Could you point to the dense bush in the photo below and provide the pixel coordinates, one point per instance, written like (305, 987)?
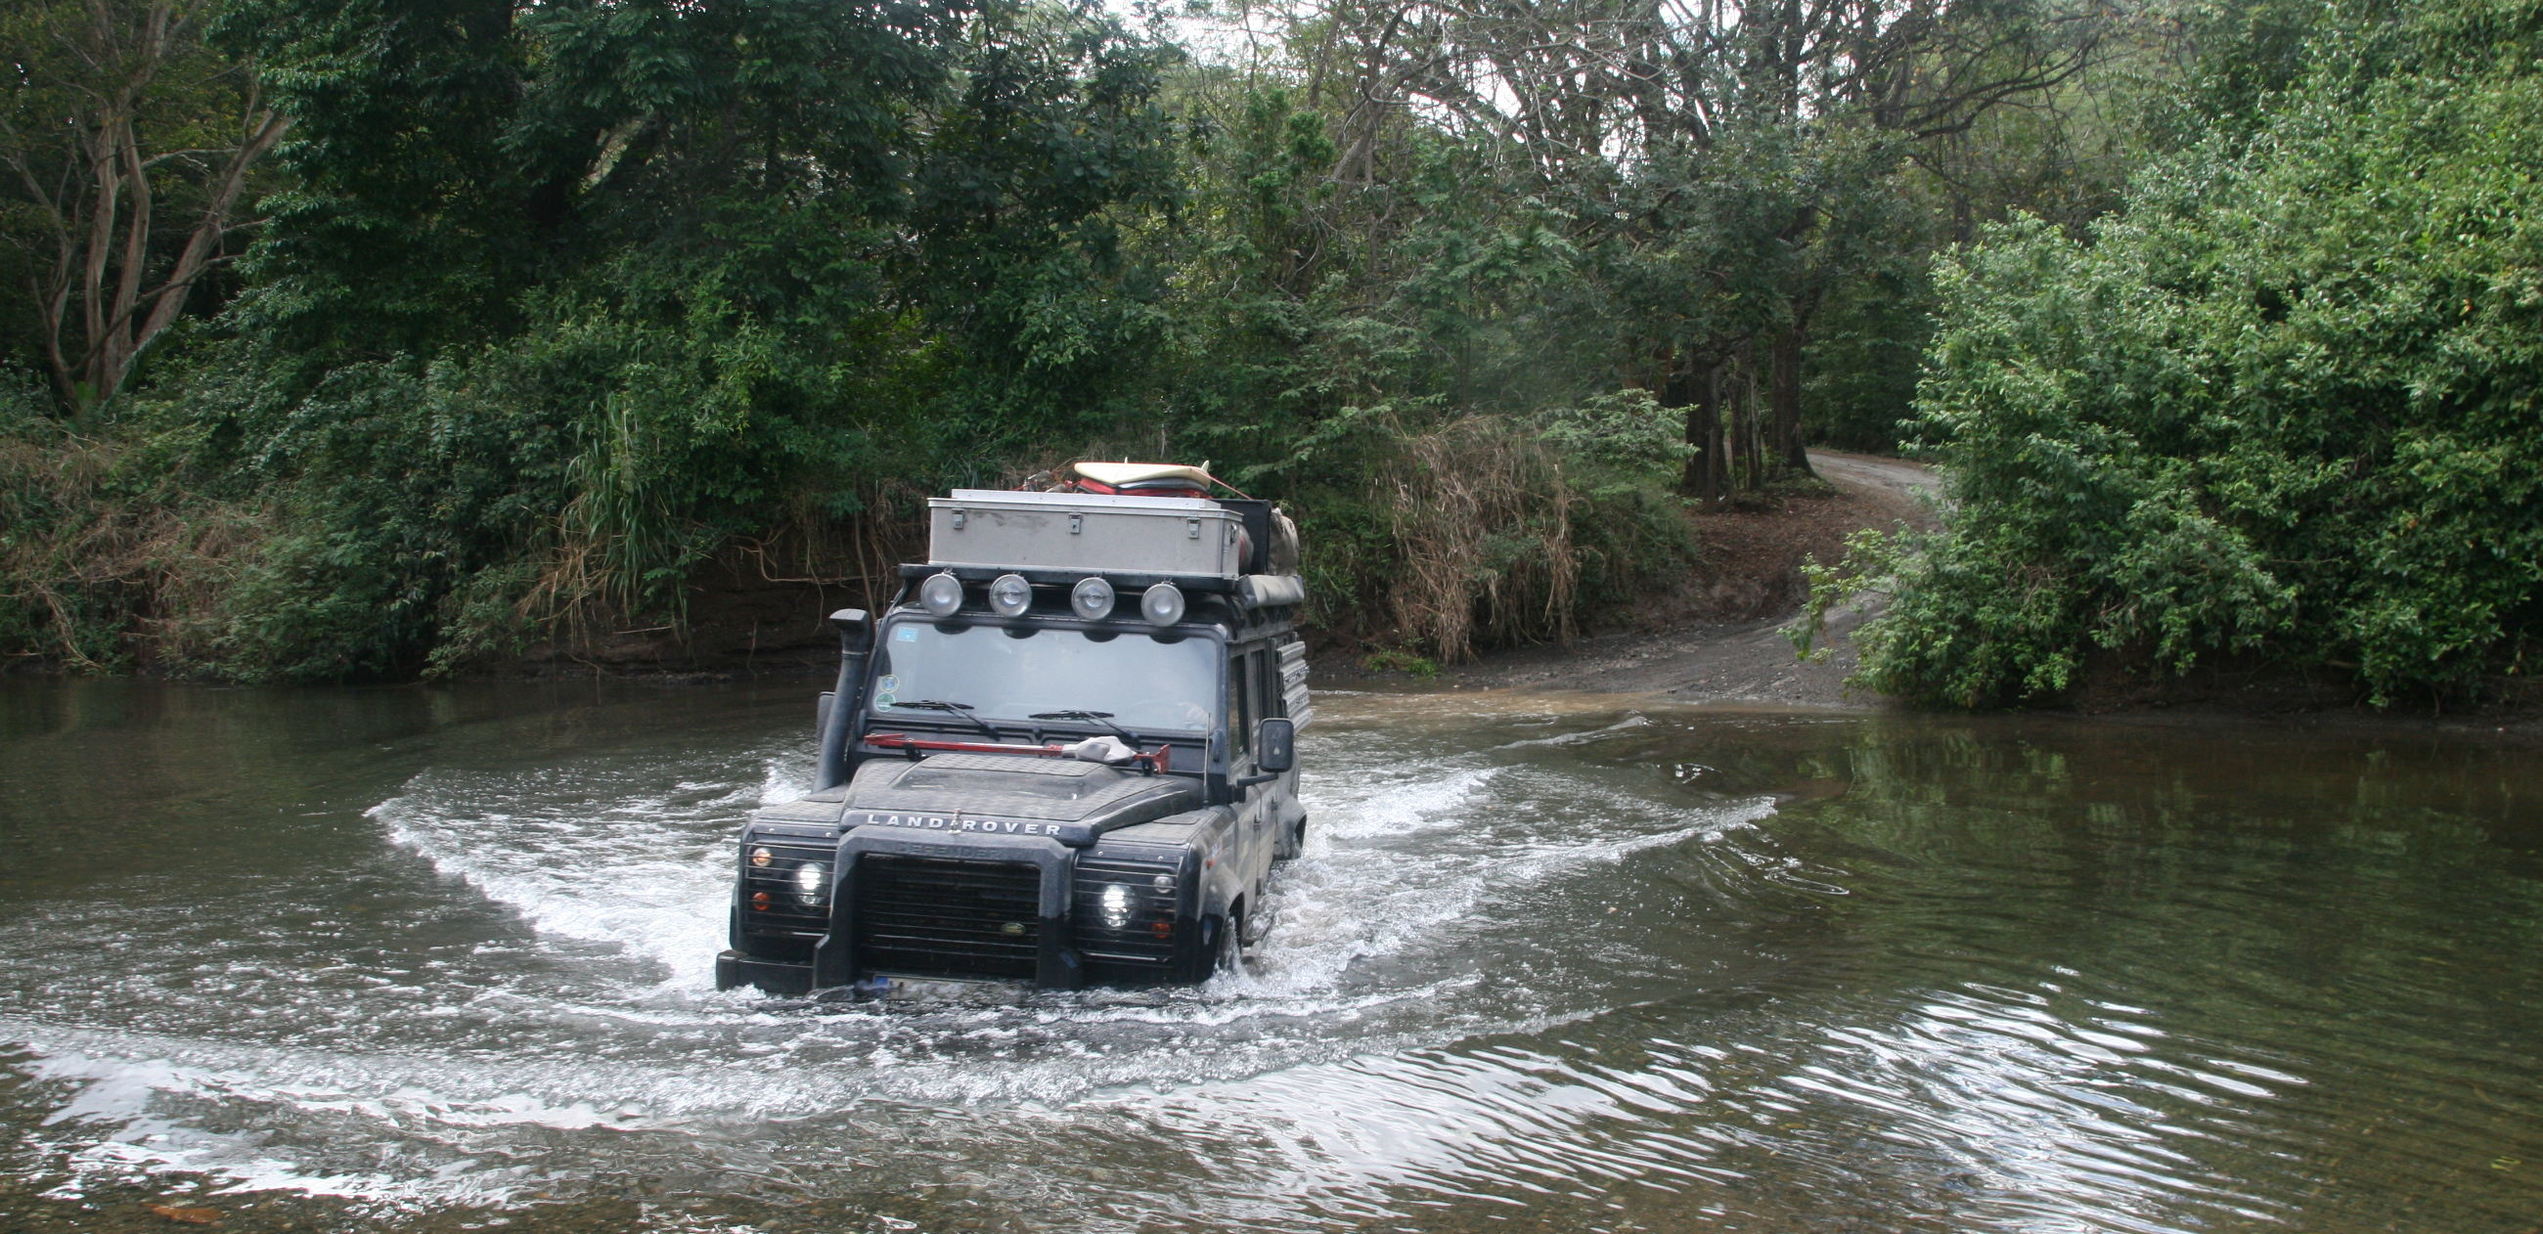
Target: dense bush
(2289, 404)
(556, 305)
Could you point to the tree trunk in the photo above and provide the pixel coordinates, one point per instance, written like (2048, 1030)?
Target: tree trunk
(1785, 445)
(1697, 386)
(126, 256)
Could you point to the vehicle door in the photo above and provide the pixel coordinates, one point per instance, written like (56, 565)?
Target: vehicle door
(1250, 697)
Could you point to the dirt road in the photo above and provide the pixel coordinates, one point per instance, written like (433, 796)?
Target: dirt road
(1756, 558)
(1906, 482)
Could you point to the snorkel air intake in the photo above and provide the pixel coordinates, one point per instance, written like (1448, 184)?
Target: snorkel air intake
(856, 642)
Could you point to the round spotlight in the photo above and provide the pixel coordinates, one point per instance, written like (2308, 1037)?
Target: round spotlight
(941, 594)
(1162, 604)
(810, 885)
(1092, 598)
(1010, 595)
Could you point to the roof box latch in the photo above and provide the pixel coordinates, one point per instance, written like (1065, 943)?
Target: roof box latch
(1076, 523)
(1193, 526)
(961, 517)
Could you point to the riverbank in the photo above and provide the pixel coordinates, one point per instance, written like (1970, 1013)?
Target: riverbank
(1720, 637)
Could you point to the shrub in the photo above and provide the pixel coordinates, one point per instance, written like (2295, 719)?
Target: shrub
(2290, 403)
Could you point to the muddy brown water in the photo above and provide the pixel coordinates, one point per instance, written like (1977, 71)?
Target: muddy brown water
(440, 960)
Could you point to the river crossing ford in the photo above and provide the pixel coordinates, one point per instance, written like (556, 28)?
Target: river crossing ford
(441, 959)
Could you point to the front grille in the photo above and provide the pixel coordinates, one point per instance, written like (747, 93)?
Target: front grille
(1135, 952)
(942, 916)
(786, 913)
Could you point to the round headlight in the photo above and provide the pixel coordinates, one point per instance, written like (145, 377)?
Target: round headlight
(811, 882)
(941, 594)
(761, 856)
(1010, 595)
(1162, 604)
(1116, 907)
(1092, 598)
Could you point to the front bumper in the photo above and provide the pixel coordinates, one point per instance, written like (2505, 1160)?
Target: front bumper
(1023, 909)
(734, 970)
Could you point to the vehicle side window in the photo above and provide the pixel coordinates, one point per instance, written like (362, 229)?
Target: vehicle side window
(1267, 684)
(1240, 707)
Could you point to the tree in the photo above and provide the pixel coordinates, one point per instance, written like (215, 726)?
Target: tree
(564, 302)
(1732, 163)
(129, 147)
(2284, 407)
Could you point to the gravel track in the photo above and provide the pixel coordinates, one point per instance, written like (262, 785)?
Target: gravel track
(1747, 661)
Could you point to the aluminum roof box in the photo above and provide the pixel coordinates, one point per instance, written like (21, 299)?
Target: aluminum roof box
(1083, 531)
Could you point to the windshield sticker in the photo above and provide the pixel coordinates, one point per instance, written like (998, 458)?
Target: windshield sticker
(890, 683)
(886, 701)
(906, 634)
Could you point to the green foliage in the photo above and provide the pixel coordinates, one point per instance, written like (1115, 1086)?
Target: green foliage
(107, 552)
(1620, 456)
(556, 307)
(675, 275)
(1871, 565)
(2288, 404)
(373, 496)
(1312, 313)
(1394, 358)
(130, 150)
(1625, 439)
(398, 172)
(1390, 660)
(1036, 176)
(1869, 345)
(38, 495)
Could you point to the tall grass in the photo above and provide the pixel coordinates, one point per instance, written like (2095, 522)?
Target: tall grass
(1482, 518)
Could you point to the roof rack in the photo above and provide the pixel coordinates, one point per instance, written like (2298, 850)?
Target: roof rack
(1182, 538)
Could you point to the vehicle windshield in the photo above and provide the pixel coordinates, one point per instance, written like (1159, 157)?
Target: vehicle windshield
(1150, 682)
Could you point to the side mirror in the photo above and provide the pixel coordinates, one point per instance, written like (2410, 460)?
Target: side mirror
(1276, 745)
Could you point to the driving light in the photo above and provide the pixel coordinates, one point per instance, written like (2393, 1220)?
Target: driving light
(809, 882)
(1116, 907)
(1010, 595)
(1092, 598)
(941, 594)
(1162, 604)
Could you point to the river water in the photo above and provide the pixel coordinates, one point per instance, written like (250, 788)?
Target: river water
(441, 959)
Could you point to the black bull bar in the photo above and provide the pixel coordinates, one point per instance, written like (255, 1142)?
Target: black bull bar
(835, 958)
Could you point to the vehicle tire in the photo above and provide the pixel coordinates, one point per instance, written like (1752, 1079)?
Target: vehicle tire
(1227, 945)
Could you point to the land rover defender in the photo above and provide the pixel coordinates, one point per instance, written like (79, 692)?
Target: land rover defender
(1064, 755)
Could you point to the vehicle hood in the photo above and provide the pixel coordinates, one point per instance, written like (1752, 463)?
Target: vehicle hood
(1006, 794)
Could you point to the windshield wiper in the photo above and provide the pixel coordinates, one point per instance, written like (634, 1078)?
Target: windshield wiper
(1104, 718)
(960, 709)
